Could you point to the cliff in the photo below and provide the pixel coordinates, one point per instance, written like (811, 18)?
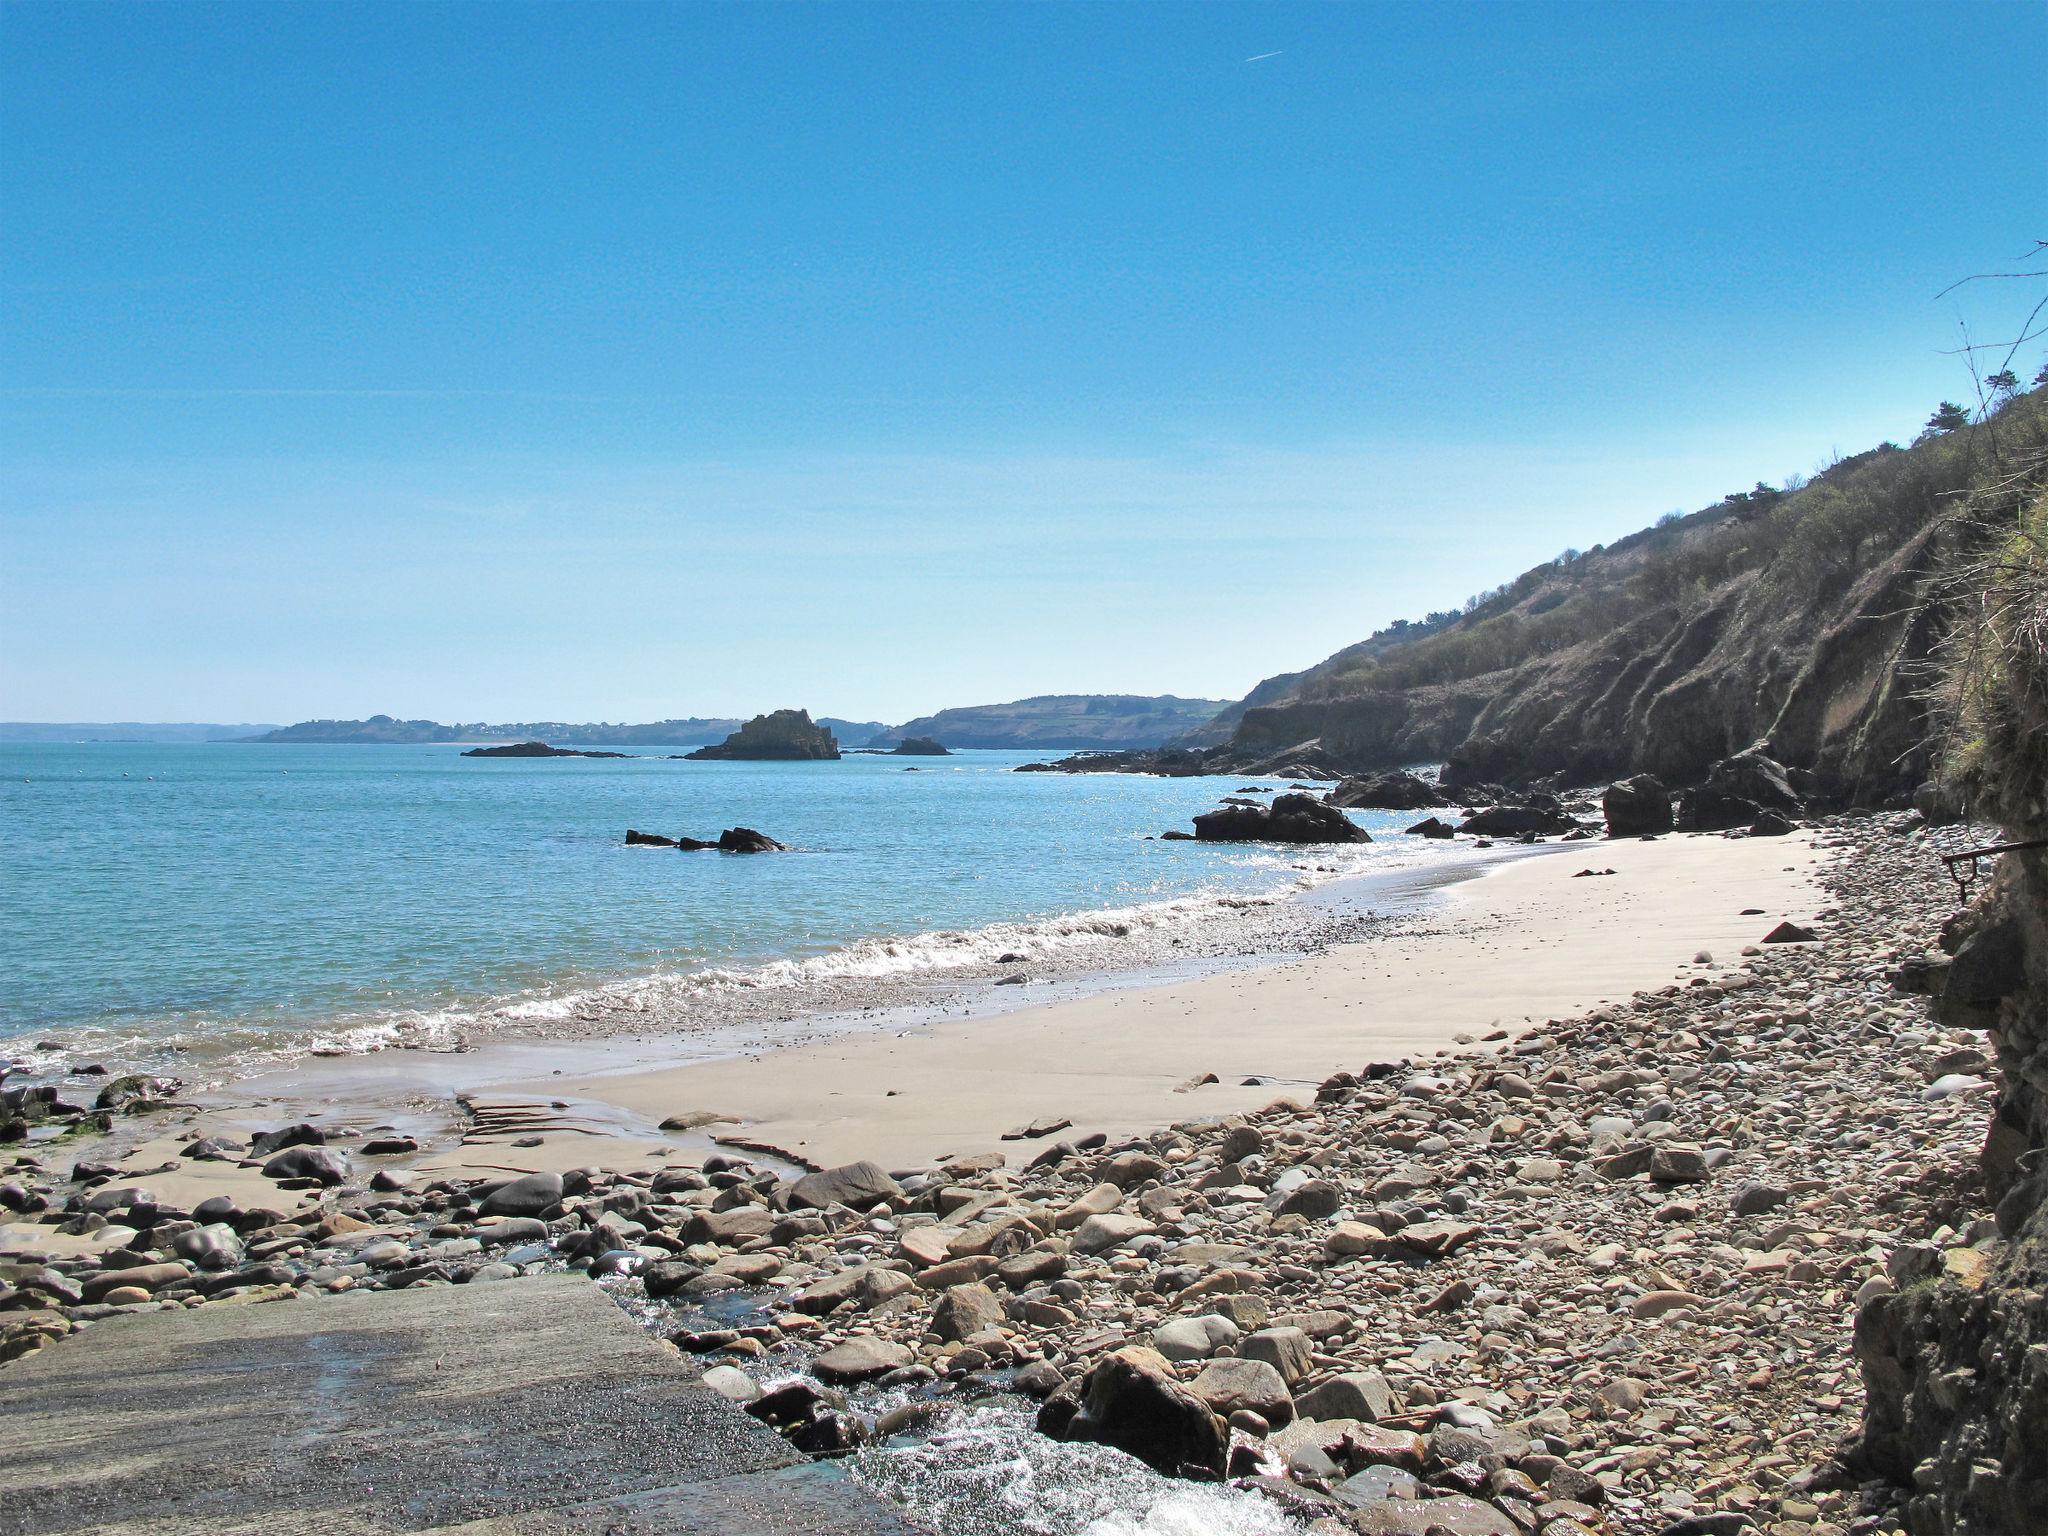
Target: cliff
(787, 735)
(1788, 616)
(1955, 1355)
(1063, 722)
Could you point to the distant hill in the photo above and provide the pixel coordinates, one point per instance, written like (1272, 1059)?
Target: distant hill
(855, 733)
(383, 729)
(122, 730)
(1062, 722)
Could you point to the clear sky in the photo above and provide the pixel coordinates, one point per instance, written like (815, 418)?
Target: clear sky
(622, 361)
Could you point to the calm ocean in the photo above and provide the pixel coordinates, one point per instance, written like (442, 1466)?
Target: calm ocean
(233, 895)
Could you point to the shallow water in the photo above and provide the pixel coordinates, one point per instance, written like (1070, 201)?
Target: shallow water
(230, 895)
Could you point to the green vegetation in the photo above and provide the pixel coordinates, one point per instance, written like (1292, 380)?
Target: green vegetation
(1993, 678)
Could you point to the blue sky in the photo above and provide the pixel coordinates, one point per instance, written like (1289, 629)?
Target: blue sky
(621, 361)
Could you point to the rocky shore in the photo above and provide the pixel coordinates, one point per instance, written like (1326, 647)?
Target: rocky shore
(1600, 1277)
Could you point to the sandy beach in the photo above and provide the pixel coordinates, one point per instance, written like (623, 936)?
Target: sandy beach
(1529, 940)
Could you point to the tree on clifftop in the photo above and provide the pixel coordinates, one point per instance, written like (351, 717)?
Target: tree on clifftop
(1947, 417)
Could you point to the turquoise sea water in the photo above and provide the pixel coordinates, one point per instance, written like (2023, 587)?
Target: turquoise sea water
(351, 894)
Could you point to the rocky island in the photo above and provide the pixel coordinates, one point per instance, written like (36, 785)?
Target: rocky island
(919, 746)
(784, 736)
(537, 749)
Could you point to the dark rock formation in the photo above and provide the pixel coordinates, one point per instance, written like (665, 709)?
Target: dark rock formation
(1435, 827)
(785, 736)
(536, 749)
(1291, 818)
(731, 840)
(1739, 791)
(1637, 807)
(856, 1185)
(919, 746)
(1517, 821)
(1130, 1400)
(1396, 791)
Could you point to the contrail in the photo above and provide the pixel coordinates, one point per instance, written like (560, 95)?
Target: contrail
(1258, 56)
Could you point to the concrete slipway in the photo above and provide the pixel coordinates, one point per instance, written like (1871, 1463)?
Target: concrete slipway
(525, 1408)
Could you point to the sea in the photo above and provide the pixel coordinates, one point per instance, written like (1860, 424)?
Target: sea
(235, 903)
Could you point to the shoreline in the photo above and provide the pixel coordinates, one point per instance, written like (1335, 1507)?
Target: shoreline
(744, 1001)
(1113, 1051)
(1615, 1250)
(1125, 1060)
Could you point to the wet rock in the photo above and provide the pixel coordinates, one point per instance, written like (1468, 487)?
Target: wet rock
(1130, 1400)
(860, 1359)
(1291, 818)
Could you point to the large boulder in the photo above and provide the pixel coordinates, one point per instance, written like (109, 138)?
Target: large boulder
(857, 1186)
(965, 1310)
(530, 1196)
(1295, 818)
(1230, 1384)
(1738, 791)
(1637, 807)
(323, 1165)
(1516, 820)
(1130, 1400)
(1395, 791)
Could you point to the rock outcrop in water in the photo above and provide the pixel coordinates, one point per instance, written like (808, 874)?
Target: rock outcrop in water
(787, 735)
(537, 749)
(919, 746)
(731, 840)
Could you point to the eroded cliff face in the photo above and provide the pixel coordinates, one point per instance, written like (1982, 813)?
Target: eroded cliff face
(1955, 1361)
(1829, 689)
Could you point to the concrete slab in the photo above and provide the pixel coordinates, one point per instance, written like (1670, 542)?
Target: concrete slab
(527, 1408)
